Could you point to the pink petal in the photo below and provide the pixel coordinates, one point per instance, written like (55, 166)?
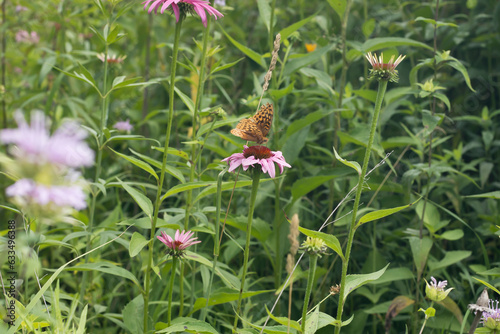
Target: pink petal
(177, 12)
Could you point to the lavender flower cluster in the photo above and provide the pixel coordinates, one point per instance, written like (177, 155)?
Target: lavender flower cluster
(44, 166)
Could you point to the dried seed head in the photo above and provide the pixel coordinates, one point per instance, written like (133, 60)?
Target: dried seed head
(274, 59)
(293, 237)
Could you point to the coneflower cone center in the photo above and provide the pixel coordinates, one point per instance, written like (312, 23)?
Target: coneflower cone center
(259, 152)
(185, 7)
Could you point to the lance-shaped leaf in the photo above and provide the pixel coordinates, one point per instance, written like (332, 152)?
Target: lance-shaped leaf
(374, 215)
(330, 241)
(352, 282)
(353, 164)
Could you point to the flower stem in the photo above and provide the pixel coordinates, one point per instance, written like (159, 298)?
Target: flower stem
(171, 289)
(193, 161)
(253, 196)
(95, 191)
(216, 241)
(378, 105)
(313, 258)
(147, 279)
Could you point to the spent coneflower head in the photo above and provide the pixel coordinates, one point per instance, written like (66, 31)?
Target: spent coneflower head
(314, 246)
(111, 59)
(178, 244)
(258, 156)
(384, 71)
(182, 7)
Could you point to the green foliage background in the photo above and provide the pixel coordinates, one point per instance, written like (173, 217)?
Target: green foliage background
(322, 99)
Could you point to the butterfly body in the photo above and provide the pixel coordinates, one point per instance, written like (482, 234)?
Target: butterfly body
(257, 127)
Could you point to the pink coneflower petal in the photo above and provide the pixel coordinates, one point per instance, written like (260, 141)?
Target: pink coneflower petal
(200, 7)
(179, 243)
(257, 155)
(165, 5)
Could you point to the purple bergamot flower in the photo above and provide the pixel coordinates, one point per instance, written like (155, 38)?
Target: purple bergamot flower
(34, 143)
(27, 192)
(123, 126)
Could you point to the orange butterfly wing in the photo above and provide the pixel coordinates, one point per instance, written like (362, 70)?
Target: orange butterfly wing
(264, 118)
(256, 128)
(247, 129)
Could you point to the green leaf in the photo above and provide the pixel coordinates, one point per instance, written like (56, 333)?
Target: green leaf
(186, 186)
(492, 194)
(175, 172)
(330, 240)
(137, 243)
(420, 249)
(138, 163)
(312, 321)
(189, 325)
(452, 235)
(438, 23)
(307, 184)
(35, 300)
(145, 222)
(395, 274)
(451, 257)
(355, 281)
(230, 280)
(265, 12)
(374, 215)
(305, 60)
(368, 27)
(460, 68)
(84, 76)
(133, 315)
(224, 296)
(186, 99)
(47, 66)
(277, 94)
(83, 321)
(378, 43)
(227, 122)
(107, 268)
(488, 285)
(225, 66)
(443, 98)
(353, 164)
(141, 199)
(308, 120)
(285, 32)
(247, 51)
(130, 137)
(339, 7)
(226, 186)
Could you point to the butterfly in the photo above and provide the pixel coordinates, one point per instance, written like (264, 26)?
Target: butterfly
(257, 127)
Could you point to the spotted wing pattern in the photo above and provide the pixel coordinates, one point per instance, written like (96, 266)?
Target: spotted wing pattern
(257, 127)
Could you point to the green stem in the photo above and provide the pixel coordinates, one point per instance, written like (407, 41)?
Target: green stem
(171, 289)
(313, 258)
(378, 104)
(216, 241)
(147, 279)
(189, 196)
(253, 196)
(95, 191)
